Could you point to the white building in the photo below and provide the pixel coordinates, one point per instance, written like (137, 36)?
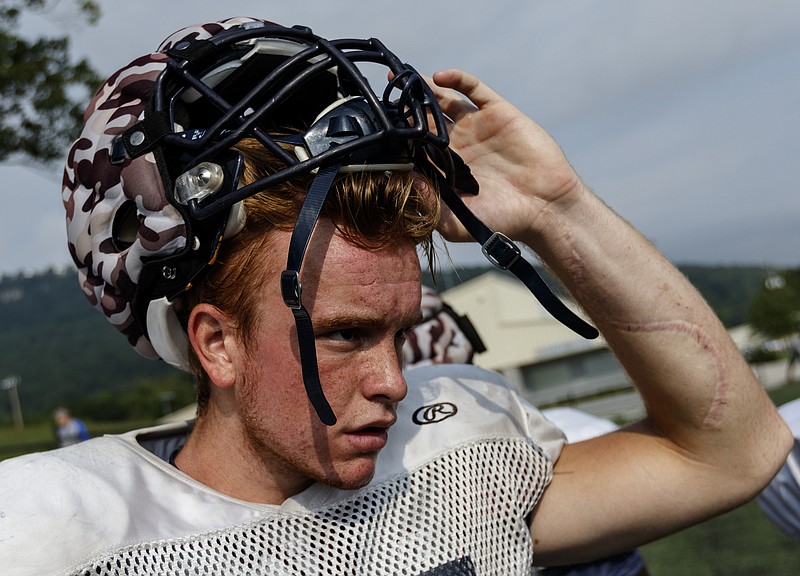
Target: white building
(547, 360)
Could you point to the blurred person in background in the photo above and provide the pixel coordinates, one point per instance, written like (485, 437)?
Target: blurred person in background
(69, 430)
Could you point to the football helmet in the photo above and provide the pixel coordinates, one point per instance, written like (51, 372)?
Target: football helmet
(151, 187)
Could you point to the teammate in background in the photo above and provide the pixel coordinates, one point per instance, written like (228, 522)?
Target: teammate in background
(242, 204)
(442, 337)
(780, 500)
(69, 430)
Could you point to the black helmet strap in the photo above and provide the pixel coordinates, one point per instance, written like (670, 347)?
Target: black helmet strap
(292, 290)
(504, 254)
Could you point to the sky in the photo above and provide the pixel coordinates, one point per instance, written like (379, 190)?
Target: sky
(684, 116)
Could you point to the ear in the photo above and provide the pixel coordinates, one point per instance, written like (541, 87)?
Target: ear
(215, 343)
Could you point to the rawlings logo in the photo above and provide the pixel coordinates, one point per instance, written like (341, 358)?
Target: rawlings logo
(434, 413)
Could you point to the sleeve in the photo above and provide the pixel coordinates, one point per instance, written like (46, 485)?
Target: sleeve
(33, 508)
(542, 431)
(83, 431)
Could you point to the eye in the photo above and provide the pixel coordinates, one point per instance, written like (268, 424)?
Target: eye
(343, 335)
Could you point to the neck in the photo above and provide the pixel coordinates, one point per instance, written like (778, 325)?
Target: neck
(220, 455)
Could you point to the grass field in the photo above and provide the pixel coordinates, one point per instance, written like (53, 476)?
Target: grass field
(741, 542)
(38, 436)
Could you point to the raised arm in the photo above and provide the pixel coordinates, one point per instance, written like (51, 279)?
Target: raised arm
(711, 439)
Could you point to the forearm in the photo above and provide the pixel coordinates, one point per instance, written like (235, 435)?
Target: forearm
(699, 392)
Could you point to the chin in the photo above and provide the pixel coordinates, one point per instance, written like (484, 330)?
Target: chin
(353, 476)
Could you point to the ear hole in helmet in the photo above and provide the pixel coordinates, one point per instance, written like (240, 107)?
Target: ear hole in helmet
(125, 226)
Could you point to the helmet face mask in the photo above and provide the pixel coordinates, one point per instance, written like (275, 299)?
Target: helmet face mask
(270, 84)
(287, 98)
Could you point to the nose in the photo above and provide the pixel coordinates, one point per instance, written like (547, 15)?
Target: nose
(385, 382)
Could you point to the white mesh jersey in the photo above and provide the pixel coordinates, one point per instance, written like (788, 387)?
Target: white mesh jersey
(465, 464)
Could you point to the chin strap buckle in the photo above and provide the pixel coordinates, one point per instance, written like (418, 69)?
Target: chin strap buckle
(501, 251)
(291, 289)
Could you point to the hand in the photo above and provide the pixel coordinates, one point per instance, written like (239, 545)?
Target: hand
(519, 167)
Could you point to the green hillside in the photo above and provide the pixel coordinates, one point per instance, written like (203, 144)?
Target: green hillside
(65, 352)
(60, 347)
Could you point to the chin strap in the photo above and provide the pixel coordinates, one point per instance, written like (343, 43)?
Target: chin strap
(504, 254)
(292, 290)
(497, 247)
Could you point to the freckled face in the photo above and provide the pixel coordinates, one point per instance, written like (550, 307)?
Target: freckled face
(361, 303)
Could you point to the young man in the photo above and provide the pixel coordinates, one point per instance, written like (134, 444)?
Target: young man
(243, 205)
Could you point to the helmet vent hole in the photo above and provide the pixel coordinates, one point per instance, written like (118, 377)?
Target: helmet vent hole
(125, 226)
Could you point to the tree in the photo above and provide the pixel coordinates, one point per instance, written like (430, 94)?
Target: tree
(775, 310)
(42, 92)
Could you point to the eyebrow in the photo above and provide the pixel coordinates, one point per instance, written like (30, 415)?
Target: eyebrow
(346, 320)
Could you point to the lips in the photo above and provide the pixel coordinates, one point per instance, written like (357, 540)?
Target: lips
(371, 437)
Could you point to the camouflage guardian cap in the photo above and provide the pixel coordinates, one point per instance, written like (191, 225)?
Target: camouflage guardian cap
(151, 186)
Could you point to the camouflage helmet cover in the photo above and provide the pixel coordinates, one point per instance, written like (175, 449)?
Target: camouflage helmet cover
(152, 185)
(443, 336)
(95, 190)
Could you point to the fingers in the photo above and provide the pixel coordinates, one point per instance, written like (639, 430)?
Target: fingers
(462, 82)
(454, 105)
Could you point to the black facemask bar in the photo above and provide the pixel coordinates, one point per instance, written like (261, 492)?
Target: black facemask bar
(405, 124)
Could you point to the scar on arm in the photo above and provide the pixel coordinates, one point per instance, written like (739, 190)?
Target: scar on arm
(700, 338)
